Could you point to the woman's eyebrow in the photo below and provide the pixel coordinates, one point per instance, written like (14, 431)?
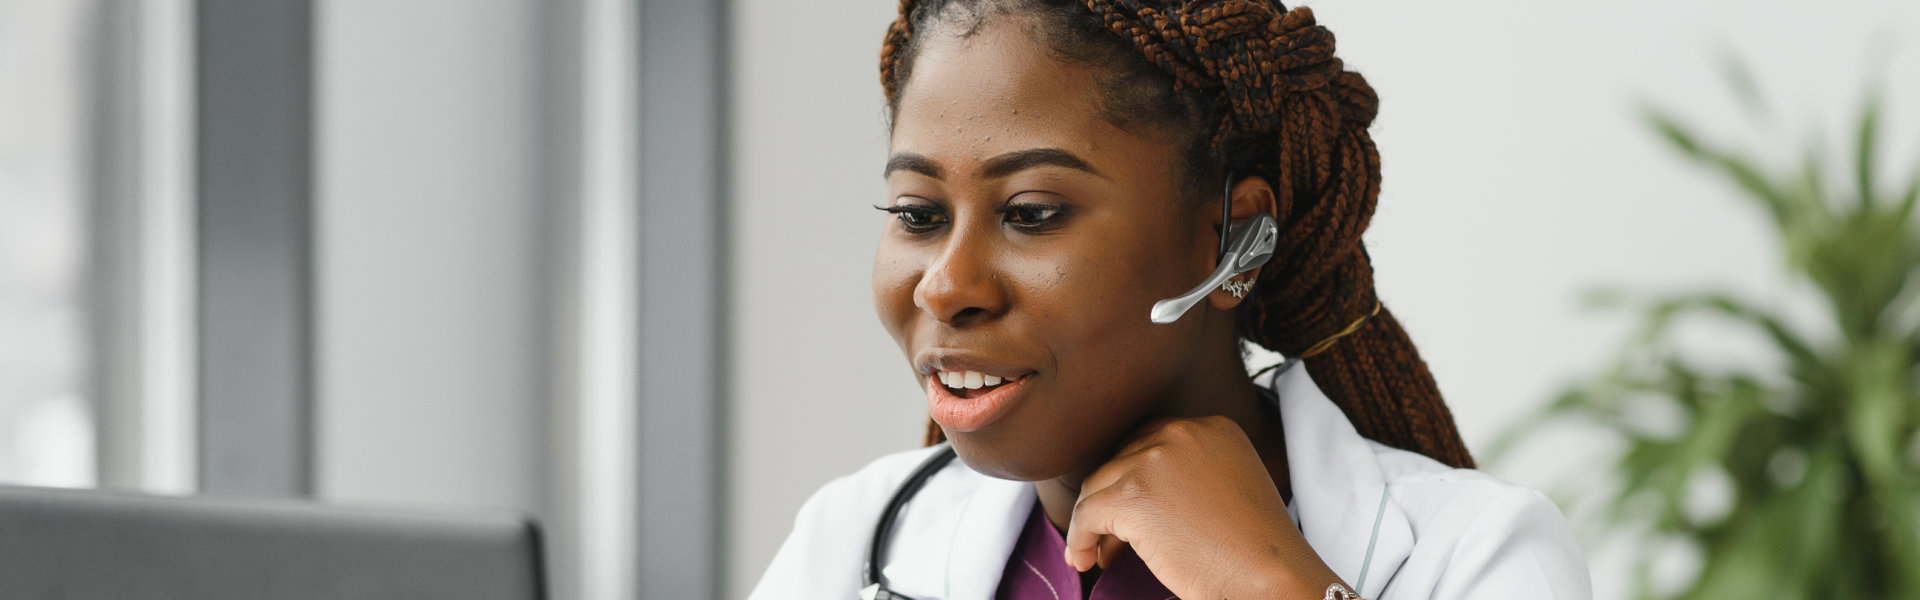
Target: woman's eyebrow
(1021, 160)
(996, 167)
(908, 161)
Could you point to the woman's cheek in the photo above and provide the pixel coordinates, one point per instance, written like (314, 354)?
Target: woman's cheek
(894, 279)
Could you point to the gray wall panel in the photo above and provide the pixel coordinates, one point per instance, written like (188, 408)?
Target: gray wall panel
(683, 66)
(254, 114)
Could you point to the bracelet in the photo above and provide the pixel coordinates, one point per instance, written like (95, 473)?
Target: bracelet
(1340, 591)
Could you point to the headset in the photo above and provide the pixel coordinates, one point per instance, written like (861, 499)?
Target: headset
(1245, 246)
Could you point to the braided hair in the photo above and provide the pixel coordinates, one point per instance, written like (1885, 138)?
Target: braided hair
(1246, 87)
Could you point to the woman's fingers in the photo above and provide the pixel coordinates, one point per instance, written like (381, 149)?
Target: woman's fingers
(1093, 519)
(1110, 547)
(1194, 500)
(1093, 537)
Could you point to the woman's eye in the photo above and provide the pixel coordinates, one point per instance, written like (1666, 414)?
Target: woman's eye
(916, 219)
(1030, 215)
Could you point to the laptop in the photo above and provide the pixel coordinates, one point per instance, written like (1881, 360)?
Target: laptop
(58, 544)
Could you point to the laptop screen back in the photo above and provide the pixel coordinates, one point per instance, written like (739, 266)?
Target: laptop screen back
(70, 545)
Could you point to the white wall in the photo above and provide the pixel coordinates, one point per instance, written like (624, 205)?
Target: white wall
(426, 229)
(476, 279)
(1515, 178)
(817, 386)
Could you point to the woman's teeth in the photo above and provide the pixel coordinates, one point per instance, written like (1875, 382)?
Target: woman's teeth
(971, 380)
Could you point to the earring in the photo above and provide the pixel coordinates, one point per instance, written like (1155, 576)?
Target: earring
(1237, 287)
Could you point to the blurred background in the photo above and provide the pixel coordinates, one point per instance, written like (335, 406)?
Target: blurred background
(607, 261)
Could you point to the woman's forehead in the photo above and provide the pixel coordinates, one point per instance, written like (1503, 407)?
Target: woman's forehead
(975, 98)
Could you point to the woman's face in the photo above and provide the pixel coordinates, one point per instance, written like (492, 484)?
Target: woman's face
(1031, 238)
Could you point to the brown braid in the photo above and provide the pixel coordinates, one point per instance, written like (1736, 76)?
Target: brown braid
(1276, 103)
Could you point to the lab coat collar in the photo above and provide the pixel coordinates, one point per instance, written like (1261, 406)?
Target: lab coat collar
(1339, 492)
(1339, 489)
(979, 532)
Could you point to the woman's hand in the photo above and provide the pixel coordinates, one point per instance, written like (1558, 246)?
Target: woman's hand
(1200, 509)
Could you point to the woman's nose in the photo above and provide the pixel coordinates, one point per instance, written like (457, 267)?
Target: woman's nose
(961, 286)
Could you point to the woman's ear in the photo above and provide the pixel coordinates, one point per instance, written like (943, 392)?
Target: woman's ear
(1250, 196)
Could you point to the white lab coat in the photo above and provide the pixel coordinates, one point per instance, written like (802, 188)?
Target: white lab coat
(1442, 533)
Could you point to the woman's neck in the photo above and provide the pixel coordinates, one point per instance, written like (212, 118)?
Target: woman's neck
(1225, 391)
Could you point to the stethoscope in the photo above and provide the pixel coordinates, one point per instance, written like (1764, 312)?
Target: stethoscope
(875, 585)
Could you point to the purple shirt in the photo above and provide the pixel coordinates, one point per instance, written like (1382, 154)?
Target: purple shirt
(1038, 570)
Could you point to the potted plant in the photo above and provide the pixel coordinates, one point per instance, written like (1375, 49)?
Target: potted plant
(1815, 453)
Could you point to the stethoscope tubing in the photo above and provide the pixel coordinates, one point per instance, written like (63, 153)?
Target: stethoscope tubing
(875, 586)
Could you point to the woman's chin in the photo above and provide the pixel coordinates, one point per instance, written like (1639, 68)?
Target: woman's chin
(1017, 460)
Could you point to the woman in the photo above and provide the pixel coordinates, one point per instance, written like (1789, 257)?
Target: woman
(1059, 166)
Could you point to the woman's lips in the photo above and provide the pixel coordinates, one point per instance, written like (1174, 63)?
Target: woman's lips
(962, 414)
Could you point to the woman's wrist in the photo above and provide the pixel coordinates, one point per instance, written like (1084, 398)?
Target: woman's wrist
(1292, 582)
(1287, 588)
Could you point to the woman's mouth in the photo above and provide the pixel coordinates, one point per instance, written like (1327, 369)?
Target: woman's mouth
(970, 384)
(968, 401)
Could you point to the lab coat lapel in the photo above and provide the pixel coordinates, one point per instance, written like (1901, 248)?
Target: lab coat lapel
(1338, 487)
(955, 537)
(956, 544)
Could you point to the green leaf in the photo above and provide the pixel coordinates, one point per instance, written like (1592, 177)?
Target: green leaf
(1796, 347)
(1907, 199)
(1749, 178)
(1745, 87)
(1670, 129)
(1865, 145)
